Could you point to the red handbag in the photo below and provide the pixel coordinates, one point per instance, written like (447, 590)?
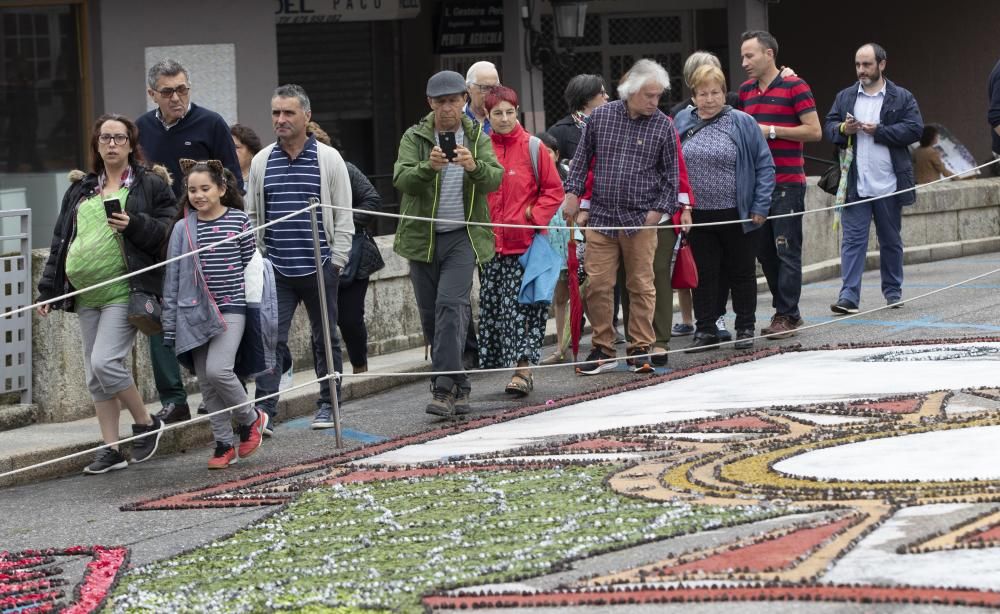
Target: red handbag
(684, 271)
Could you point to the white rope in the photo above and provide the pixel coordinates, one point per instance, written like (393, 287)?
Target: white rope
(662, 226)
(422, 374)
(682, 350)
(190, 254)
(62, 297)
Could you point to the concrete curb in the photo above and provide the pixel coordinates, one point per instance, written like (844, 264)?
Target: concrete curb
(25, 446)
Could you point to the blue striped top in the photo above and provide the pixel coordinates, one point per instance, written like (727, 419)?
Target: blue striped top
(223, 266)
(288, 186)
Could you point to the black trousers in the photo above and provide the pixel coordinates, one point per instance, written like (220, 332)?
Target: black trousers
(723, 252)
(351, 320)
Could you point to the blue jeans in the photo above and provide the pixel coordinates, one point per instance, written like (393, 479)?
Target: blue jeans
(855, 221)
(291, 291)
(780, 248)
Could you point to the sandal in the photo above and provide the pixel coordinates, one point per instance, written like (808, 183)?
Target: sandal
(555, 359)
(520, 384)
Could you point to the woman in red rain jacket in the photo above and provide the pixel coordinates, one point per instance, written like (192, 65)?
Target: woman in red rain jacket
(511, 333)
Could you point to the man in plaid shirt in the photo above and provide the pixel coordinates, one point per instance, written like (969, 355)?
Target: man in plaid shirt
(632, 147)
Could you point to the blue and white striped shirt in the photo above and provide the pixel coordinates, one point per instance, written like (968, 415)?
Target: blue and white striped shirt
(223, 266)
(288, 186)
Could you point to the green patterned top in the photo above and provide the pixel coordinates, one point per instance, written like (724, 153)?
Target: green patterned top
(95, 255)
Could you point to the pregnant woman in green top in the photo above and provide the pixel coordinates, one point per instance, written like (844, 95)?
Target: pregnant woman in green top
(113, 220)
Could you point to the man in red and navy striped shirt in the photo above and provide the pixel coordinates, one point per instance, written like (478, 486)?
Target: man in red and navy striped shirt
(786, 112)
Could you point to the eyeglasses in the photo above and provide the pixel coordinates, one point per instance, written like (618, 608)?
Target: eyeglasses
(119, 139)
(485, 89)
(168, 92)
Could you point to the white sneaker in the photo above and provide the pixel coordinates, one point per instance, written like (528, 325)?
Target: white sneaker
(724, 335)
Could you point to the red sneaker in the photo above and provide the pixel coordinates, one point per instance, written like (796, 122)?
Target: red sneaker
(224, 456)
(251, 435)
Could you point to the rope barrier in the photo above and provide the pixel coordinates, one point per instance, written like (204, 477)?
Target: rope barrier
(663, 226)
(55, 299)
(335, 375)
(838, 319)
(236, 237)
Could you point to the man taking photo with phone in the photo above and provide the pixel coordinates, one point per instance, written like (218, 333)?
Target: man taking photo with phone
(444, 253)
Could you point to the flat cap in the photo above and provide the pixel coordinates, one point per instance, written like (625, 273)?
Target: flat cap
(444, 83)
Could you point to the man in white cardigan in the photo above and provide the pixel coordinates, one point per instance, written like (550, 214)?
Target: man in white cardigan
(283, 177)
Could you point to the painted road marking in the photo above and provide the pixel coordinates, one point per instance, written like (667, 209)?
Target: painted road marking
(306, 423)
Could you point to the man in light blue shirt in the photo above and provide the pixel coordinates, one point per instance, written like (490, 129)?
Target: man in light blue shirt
(879, 120)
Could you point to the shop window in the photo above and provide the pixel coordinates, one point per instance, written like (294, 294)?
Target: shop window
(41, 124)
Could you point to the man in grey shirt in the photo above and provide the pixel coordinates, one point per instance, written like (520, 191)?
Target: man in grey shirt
(444, 253)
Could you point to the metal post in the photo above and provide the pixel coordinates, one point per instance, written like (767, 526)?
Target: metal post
(327, 342)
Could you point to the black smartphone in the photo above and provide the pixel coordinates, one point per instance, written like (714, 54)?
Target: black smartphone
(112, 205)
(447, 142)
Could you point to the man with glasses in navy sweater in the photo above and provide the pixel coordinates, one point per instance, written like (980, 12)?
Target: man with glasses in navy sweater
(177, 128)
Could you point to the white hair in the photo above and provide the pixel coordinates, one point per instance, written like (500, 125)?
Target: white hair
(470, 76)
(642, 71)
(696, 60)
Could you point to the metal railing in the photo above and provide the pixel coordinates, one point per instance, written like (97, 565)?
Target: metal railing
(15, 292)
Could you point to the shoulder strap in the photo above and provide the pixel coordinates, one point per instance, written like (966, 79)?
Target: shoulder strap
(534, 144)
(702, 123)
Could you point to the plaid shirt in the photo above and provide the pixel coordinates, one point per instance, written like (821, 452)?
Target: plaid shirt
(635, 170)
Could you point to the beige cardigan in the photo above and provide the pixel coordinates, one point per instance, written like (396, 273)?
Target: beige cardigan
(335, 189)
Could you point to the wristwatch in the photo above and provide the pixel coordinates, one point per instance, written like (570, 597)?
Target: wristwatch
(772, 134)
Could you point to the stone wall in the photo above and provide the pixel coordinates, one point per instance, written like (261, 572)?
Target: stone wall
(949, 214)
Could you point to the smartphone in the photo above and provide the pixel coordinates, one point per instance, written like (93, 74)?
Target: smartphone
(112, 205)
(851, 118)
(447, 143)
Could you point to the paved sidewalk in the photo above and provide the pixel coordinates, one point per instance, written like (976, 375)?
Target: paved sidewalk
(36, 443)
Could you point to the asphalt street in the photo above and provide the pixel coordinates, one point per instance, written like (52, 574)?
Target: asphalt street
(84, 510)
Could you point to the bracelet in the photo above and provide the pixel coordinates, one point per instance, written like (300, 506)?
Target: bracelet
(842, 124)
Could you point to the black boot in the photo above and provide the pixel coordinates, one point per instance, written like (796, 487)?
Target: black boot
(703, 342)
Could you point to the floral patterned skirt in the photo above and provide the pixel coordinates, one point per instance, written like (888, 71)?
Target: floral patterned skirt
(508, 331)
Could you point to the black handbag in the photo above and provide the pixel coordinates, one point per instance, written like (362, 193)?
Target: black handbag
(365, 259)
(829, 181)
(144, 312)
(144, 308)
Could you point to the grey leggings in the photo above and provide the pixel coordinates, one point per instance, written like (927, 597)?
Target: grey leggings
(220, 388)
(107, 339)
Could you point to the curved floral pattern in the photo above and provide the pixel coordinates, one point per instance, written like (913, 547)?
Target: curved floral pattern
(498, 529)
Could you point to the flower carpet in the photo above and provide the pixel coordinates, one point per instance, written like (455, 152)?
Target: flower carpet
(860, 474)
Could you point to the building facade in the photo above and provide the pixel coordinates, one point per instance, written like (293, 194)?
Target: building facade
(365, 64)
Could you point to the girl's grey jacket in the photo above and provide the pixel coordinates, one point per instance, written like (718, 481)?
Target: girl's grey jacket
(191, 317)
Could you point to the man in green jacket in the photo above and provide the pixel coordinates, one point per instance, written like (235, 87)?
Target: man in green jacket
(443, 254)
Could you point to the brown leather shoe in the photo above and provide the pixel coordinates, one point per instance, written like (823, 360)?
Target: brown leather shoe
(784, 327)
(767, 330)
